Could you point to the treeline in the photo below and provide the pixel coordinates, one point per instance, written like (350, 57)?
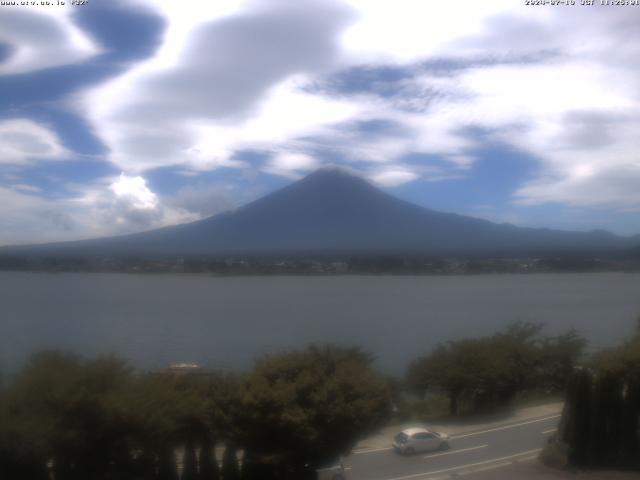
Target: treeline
(485, 373)
(65, 418)
(600, 426)
(319, 264)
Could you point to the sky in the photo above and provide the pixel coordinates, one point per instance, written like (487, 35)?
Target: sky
(124, 116)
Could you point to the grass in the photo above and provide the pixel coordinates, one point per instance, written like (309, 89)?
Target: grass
(421, 410)
(436, 407)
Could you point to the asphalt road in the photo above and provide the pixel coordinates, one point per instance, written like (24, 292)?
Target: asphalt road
(471, 453)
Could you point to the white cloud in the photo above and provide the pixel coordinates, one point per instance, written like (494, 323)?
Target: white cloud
(217, 86)
(42, 37)
(559, 84)
(574, 106)
(570, 119)
(126, 204)
(25, 217)
(106, 207)
(134, 190)
(406, 30)
(206, 199)
(178, 109)
(283, 116)
(393, 177)
(556, 102)
(23, 140)
(26, 188)
(292, 164)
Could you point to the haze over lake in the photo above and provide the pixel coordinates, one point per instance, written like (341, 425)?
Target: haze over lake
(225, 322)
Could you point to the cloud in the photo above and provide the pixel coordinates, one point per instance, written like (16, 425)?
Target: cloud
(292, 165)
(555, 102)
(106, 207)
(406, 30)
(393, 177)
(134, 191)
(558, 103)
(240, 81)
(42, 37)
(133, 203)
(587, 186)
(236, 78)
(26, 188)
(23, 140)
(126, 204)
(231, 83)
(385, 87)
(207, 199)
(25, 217)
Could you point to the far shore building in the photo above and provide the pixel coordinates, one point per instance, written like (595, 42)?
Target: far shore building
(182, 369)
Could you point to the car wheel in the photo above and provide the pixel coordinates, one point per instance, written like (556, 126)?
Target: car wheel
(409, 451)
(444, 446)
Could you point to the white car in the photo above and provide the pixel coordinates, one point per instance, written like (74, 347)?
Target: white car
(413, 440)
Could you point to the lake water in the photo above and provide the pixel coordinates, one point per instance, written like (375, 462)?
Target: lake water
(227, 322)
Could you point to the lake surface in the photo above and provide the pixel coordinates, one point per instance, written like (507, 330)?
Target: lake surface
(226, 322)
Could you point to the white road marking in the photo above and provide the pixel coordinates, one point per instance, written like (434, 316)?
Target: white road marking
(551, 430)
(485, 468)
(505, 427)
(485, 462)
(371, 450)
(456, 451)
(526, 459)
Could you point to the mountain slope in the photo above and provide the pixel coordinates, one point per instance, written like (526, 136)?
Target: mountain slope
(331, 210)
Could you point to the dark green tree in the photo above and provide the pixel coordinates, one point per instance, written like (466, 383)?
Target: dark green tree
(466, 370)
(209, 469)
(189, 462)
(489, 372)
(309, 406)
(517, 349)
(21, 455)
(71, 410)
(578, 438)
(230, 468)
(167, 468)
(558, 355)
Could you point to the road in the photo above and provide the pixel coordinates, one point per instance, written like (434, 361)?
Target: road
(494, 448)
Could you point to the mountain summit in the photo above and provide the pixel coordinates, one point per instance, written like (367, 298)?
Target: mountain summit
(332, 210)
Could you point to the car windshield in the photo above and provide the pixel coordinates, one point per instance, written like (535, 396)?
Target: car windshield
(402, 437)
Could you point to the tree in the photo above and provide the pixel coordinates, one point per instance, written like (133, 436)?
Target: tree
(490, 371)
(577, 425)
(440, 370)
(167, 468)
(172, 411)
(310, 406)
(518, 347)
(189, 462)
(20, 455)
(209, 469)
(71, 411)
(230, 469)
(601, 416)
(222, 406)
(557, 358)
(470, 370)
